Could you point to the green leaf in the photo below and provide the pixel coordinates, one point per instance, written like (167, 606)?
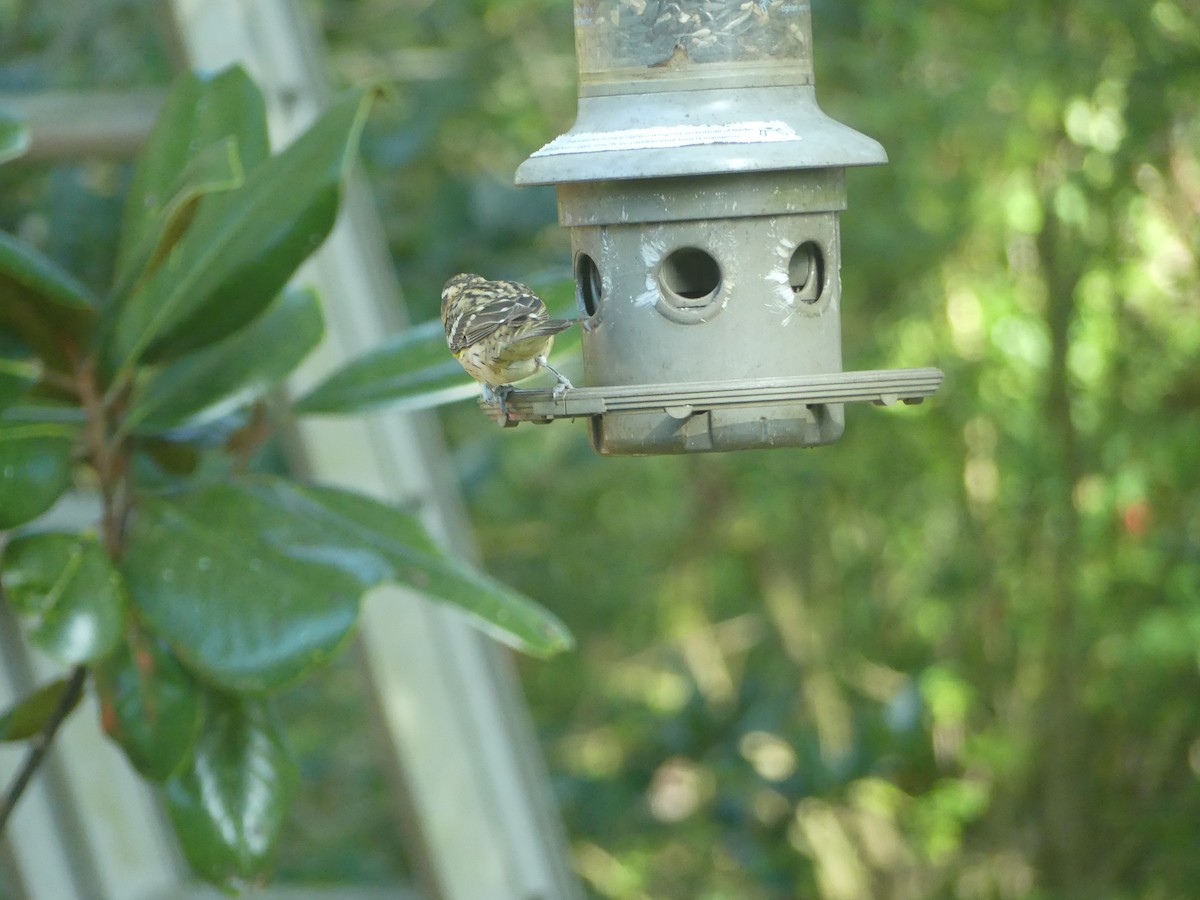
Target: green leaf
(14, 137)
(413, 369)
(229, 806)
(68, 587)
(35, 469)
(43, 304)
(255, 583)
(234, 372)
(243, 245)
(216, 168)
(30, 715)
(178, 163)
(379, 543)
(150, 706)
(236, 608)
(16, 377)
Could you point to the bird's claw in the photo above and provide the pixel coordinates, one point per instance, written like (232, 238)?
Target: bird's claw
(497, 395)
(501, 394)
(564, 383)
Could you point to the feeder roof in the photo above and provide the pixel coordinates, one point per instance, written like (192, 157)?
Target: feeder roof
(698, 132)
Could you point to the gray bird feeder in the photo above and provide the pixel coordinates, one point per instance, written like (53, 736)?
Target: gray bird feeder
(702, 186)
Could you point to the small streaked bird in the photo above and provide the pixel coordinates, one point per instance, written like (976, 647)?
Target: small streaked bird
(501, 333)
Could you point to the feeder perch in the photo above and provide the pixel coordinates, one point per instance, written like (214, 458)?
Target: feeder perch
(702, 186)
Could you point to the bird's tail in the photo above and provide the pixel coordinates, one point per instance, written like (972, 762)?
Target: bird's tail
(548, 327)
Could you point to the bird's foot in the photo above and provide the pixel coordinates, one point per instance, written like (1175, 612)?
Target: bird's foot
(497, 395)
(501, 394)
(564, 383)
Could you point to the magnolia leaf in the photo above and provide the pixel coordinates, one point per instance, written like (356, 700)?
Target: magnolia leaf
(242, 246)
(235, 607)
(413, 367)
(377, 543)
(178, 163)
(31, 715)
(216, 168)
(254, 583)
(43, 304)
(228, 807)
(70, 591)
(151, 706)
(35, 469)
(234, 372)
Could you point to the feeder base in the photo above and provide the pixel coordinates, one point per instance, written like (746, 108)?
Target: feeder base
(798, 411)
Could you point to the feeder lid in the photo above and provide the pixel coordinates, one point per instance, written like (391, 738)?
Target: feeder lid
(700, 132)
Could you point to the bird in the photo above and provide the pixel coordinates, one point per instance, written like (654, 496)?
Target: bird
(500, 332)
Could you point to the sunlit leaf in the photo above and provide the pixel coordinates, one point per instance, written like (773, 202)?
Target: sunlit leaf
(229, 805)
(35, 469)
(234, 372)
(243, 245)
(31, 714)
(150, 705)
(70, 591)
(178, 162)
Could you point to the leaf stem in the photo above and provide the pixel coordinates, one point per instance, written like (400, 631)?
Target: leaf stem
(108, 455)
(40, 745)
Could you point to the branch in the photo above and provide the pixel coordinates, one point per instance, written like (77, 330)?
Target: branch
(41, 745)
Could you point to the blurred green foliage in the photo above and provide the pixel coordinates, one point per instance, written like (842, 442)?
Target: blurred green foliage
(955, 654)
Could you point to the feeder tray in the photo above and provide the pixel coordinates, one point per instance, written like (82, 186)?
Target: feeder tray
(695, 409)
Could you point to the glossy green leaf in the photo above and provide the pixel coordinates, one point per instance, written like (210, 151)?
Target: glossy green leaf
(377, 543)
(42, 304)
(234, 372)
(243, 245)
(151, 706)
(178, 162)
(35, 469)
(30, 715)
(228, 807)
(413, 367)
(70, 592)
(254, 583)
(14, 137)
(207, 574)
(16, 377)
(216, 168)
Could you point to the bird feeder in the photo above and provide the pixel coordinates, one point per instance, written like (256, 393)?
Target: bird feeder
(702, 186)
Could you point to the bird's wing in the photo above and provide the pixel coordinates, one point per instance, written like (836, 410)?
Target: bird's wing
(504, 303)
